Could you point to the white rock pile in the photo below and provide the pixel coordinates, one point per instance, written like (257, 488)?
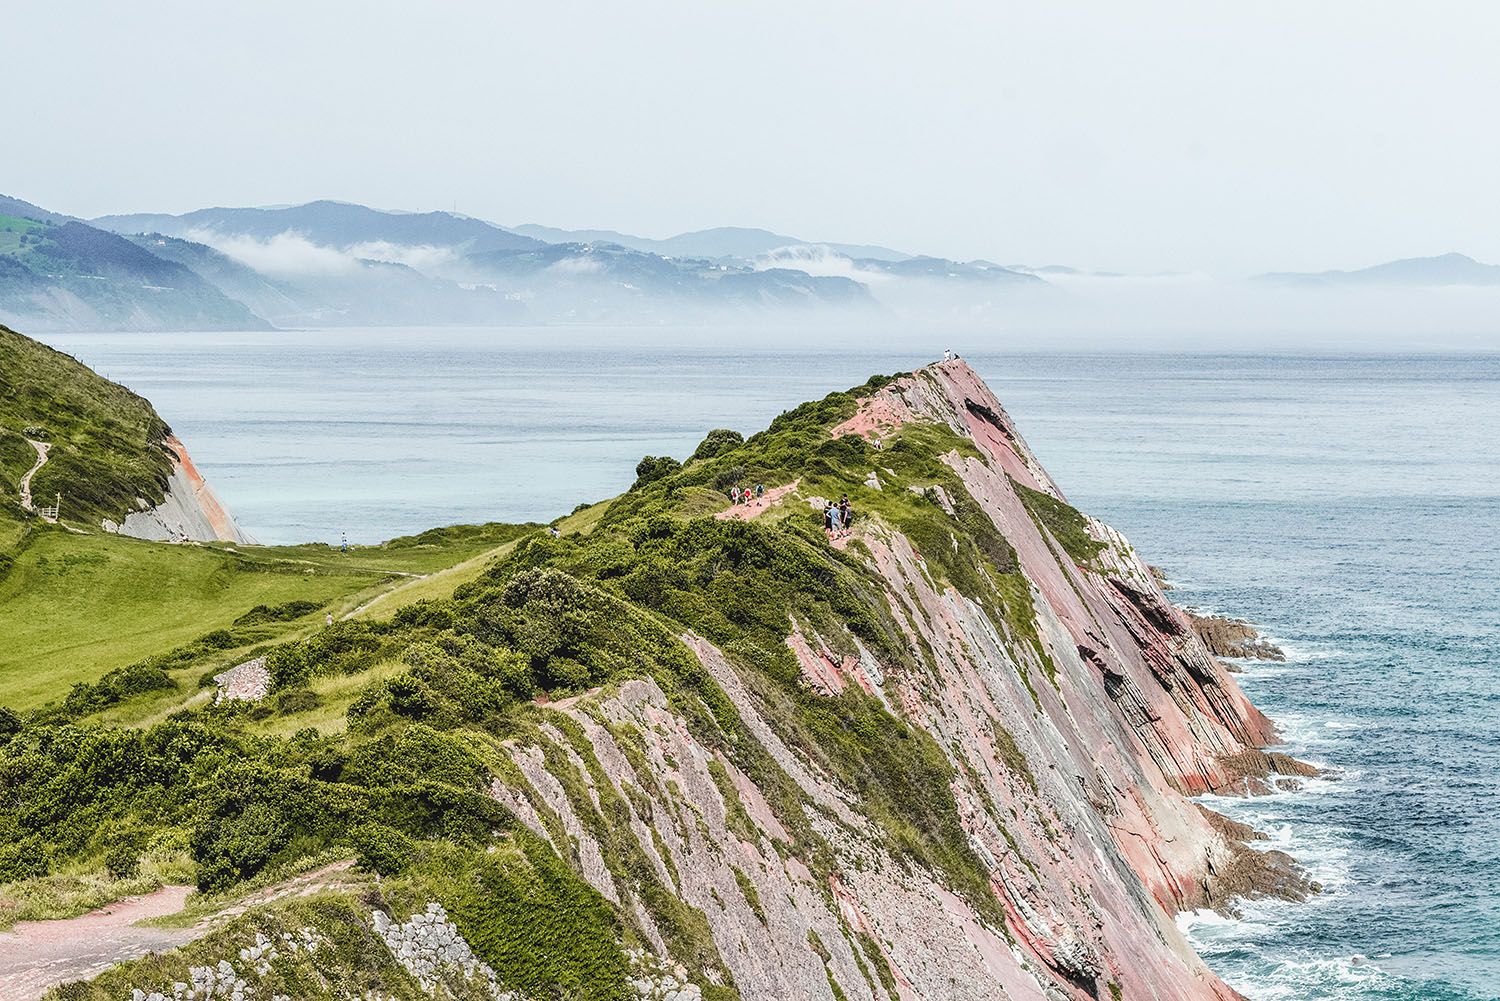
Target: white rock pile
(249, 681)
(264, 952)
(655, 980)
(429, 945)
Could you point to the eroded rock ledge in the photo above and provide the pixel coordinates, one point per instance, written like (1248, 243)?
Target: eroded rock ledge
(1227, 637)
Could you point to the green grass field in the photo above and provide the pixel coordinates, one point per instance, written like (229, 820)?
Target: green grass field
(73, 607)
(12, 228)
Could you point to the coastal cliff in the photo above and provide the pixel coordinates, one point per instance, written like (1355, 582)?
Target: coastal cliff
(687, 748)
(190, 509)
(78, 448)
(1073, 740)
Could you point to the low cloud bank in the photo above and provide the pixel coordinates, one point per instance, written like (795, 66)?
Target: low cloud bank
(290, 254)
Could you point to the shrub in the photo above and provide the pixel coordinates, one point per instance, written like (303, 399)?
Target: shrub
(728, 477)
(231, 848)
(219, 639)
(652, 468)
(296, 700)
(277, 613)
(382, 849)
(288, 665)
(23, 860)
(718, 441)
(123, 861)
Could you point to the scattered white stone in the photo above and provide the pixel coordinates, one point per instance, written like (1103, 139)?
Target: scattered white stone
(429, 946)
(655, 979)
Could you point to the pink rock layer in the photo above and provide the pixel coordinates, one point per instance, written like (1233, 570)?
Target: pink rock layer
(1073, 759)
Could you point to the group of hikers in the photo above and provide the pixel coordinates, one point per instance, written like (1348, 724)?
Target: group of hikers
(836, 517)
(743, 495)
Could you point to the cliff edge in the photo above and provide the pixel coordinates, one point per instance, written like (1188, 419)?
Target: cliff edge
(696, 748)
(190, 509)
(76, 447)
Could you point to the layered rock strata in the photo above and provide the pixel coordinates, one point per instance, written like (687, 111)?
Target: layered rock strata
(190, 512)
(1075, 741)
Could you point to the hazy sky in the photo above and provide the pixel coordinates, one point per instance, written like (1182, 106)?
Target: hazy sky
(1223, 137)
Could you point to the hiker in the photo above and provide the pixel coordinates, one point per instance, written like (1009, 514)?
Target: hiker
(828, 518)
(760, 492)
(328, 618)
(947, 354)
(344, 541)
(734, 496)
(845, 514)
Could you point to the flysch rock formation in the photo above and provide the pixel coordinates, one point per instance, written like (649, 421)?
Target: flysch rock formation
(190, 512)
(1073, 759)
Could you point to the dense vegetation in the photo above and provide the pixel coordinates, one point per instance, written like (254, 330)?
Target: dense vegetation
(107, 442)
(381, 735)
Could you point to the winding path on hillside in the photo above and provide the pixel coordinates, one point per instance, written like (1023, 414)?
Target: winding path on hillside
(41, 460)
(37, 955)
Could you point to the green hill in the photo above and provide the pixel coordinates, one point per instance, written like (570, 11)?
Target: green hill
(107, 443)
(65, 273)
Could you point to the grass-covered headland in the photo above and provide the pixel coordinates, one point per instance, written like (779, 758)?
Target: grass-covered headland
(383, 732)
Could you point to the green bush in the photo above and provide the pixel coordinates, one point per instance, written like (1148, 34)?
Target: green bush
(653, 468)
(717, 441)
(123, 861)
(382, 849)
(296, 700)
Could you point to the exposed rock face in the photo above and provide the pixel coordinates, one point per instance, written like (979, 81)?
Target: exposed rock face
(191, 510)
(1226, 637)
(1072, 755)
(249, 682)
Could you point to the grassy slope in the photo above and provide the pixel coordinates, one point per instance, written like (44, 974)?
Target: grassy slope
(381, 735)
(75, 606)
(107, 441)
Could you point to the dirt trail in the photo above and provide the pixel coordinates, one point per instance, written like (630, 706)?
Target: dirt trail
(40, 954)
(756, 508)
(42, 448)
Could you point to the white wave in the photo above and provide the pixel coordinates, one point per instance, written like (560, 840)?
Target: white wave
(1300, 653)
(1332, 979)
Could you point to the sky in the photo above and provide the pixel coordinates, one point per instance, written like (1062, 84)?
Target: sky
(1205, 137)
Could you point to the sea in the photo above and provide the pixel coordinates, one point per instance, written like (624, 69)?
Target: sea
(1348, 503)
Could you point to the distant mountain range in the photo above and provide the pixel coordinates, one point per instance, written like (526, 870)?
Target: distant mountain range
(1446, 269)
(334, 263)
(726, 243)
(331, 263)
(332, 224)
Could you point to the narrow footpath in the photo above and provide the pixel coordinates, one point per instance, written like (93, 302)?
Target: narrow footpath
(41, 954)
(41, 460)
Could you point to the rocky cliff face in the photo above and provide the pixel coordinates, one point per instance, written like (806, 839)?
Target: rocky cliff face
(190, 512)
(947, 756)
(1072, 757)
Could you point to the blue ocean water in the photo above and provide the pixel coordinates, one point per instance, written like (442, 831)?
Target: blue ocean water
(1347, 503)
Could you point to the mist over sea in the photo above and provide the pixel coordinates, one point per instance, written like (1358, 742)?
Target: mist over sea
(1348, 503)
